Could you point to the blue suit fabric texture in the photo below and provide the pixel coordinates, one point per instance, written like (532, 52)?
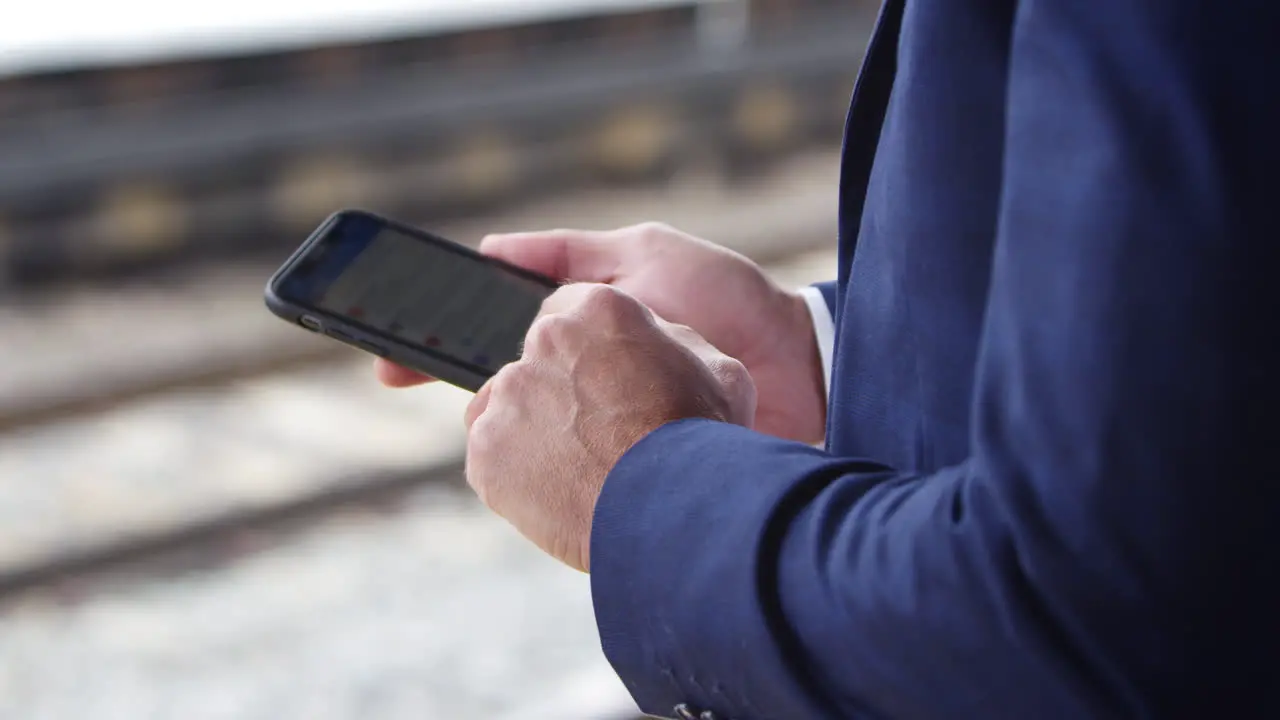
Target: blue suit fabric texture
(1049, 484)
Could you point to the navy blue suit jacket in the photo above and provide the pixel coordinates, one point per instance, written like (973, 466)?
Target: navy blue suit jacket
(1049, 488)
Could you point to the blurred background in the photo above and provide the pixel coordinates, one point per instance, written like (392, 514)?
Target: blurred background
(205, 513)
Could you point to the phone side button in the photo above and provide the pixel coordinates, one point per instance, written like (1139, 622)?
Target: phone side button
(355, 342)
(371, 348)
(339, 336)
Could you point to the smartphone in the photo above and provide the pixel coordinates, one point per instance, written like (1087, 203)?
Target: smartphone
(416, 299)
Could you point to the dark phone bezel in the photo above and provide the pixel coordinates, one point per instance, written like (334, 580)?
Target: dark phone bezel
(421, 358)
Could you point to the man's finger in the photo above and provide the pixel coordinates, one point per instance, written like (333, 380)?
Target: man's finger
(397, 376)
(567, 298)
(579, 298)
(691, 339)
(572, 255)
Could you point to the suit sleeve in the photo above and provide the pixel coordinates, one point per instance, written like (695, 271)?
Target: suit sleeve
(1108, 548)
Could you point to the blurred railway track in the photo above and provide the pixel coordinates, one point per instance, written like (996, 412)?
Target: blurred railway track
(155, 420)
(127, 169)
(433, 608)
(202, 417)
(200, 330)
(162, 481)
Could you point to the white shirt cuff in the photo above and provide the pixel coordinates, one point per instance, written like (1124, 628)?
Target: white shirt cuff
(824, 330)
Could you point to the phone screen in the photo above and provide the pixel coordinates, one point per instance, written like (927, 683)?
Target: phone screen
(424, 292)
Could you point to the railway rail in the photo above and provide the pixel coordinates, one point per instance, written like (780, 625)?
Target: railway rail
(182, 473)
(203, 415)
(204, 434)
(200, 329)
(167, 162)
(299, 564)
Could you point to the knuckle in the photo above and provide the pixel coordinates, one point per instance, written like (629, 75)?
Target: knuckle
(731, 371)
(606, 302)
(737, 386)
(683, 332)
(599, 296)
(654, 228)
(505, 382)
(479, 441)
(536, 338)
(651, 232)
(512, 386)
(550, 333)
(518, 376)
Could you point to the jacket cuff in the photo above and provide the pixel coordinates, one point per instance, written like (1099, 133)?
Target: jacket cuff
(684, 547)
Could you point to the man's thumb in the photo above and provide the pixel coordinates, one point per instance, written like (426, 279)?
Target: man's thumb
(562, 255)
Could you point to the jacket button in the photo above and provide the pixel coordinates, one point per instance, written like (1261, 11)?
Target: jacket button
(683, 712)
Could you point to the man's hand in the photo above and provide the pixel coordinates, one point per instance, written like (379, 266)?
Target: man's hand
(599, 372)
(722, 295)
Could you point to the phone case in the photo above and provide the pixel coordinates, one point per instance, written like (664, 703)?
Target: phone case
(338, 328)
